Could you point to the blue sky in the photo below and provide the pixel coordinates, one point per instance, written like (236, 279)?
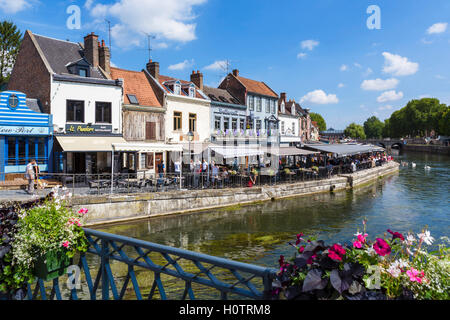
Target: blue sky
(320, 52)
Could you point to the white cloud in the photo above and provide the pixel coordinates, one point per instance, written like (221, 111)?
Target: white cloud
(437, 28)
(379, 84)
(171, 20)
(356, 64)
(219, 65)
(88, 4)
(301, 55)
(341, 85)
(440, 77)
(182, 65)
(319, 97)
(14, 6)
(309, 44)
(387, 107)
(344, 67)
(398, 65)
(390, 96)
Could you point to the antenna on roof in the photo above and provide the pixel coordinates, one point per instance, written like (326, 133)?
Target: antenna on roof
(149, 47)
(109, 36)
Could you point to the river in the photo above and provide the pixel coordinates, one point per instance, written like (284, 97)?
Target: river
(259, 234)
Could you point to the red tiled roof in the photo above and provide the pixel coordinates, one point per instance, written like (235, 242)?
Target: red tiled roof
(257, 87)
(135, 82)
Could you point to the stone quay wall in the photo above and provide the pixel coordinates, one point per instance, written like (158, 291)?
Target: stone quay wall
(108, 209)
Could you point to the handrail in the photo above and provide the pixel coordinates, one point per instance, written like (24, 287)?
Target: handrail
(236, 278)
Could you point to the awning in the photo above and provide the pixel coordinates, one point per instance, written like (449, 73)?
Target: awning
(88, 144)
(236, 152)
(343, 150)
(146, 147)
(289, 151)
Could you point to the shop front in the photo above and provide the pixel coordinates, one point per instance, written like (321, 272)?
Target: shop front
(25, 134)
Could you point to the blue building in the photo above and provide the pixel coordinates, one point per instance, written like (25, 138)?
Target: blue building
(25, 133)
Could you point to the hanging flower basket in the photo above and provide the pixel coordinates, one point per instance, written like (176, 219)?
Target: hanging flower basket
(52, 265)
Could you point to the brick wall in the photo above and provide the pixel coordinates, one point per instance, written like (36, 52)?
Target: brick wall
(30, 75)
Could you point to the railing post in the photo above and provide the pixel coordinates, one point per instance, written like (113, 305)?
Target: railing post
(104, 262)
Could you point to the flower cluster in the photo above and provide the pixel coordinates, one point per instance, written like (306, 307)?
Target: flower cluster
(400, 265)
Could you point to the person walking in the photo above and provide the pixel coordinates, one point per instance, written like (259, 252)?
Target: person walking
(30, 176)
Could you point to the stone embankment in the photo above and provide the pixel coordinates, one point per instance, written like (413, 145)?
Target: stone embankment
(115, 208)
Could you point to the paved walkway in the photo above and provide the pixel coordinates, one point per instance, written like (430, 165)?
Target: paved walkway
(20, 195)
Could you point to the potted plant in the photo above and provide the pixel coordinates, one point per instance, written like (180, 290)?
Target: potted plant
(396, 267)
(47, 238)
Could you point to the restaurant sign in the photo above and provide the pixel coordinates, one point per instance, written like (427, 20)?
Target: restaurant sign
(25, 131)
(88, 129)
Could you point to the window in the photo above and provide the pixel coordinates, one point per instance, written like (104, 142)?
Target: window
(11, 142)
(282, 127)
(75, 111)
(191, 92)
(293, 127)
(133, 99)
(282, 107)
(251, 103)
(241, 124)
(226, 123)
(258, 104)
(142, 161)
(192, 122)
(267, 103)
(234, 123)
(258, 124)
(150, 131)
(103, 112)
(177, 88)
(217, 121)
(177, 121)
(273, 106)
(149, 161)
(83, 72)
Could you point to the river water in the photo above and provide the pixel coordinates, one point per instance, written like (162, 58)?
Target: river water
(407, 201)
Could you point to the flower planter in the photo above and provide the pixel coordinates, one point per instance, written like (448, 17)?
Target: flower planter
(52, 265)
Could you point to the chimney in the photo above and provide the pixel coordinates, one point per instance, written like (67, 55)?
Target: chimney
(104, 57)
(91, 49)
(283, 96)
(197, 79)
(236, 72)
(153, 69)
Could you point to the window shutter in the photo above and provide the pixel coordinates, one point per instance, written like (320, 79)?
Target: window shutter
(149, 160)
(150, 131)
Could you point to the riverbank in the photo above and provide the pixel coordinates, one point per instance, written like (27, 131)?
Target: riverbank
(108, 209)
(433, 149)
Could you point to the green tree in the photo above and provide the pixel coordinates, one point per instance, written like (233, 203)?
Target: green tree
(373, 127)
(444, 123)
(10, 38)
(355, 131)
(320, 121)
(386, 129)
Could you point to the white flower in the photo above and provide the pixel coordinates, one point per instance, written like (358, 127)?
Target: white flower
(426, 237)
(371, 251)
(394, 271)
(410, 239)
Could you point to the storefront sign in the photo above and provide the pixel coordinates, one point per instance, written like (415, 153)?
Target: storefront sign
(25, 131)
(86, 129)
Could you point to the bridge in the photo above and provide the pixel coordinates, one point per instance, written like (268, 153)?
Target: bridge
(387, 143)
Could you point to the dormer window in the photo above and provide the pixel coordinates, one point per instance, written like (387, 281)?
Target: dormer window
(192, 91)
(177, 88)
(282, 107)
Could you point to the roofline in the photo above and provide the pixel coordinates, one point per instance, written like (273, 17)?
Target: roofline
(40, 52)
(71, 78)
(65, 41)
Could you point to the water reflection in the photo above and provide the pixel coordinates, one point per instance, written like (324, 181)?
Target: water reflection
(259, 233)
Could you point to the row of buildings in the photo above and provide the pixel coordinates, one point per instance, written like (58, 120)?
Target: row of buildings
(69, 109)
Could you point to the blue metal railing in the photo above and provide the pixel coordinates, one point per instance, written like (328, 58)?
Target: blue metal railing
(138, 259)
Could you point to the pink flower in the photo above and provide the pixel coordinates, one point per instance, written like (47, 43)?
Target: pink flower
(66, 244)
(310, 260)
(83, 211)
(396, 235)
(336, 252)
(362, 238)
(381, 247)
(415, 276)
(357, 244)
(299, 238)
